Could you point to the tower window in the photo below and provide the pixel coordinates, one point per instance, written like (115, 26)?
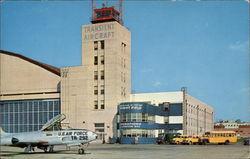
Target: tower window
(102, 44)
(95, 90)
(102, 89)
(102, 60)
(102, 104)
(95, 45)
(102, 75)
(96, 75)
(96, 60)
(95, 104)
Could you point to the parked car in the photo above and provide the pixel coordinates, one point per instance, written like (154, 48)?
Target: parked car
(246, 141)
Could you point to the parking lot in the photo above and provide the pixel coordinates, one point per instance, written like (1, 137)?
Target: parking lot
(152, 151)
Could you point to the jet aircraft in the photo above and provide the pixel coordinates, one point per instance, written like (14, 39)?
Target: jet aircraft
(46, 140)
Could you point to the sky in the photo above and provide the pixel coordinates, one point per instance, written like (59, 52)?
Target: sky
(203, 45)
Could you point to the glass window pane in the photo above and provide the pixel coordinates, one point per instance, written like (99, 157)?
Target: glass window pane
(16, 107)
(45, 106)
(25, 107)
(56, 106)
(50, 106)
(35, 118)
(30, 106)
(40, 105)
(35, 106)
(11, 108)
(30, 118)
(50, 115)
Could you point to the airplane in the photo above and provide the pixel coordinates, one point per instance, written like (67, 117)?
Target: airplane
(46, 140)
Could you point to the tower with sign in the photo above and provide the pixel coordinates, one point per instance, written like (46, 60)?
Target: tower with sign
(91, 92)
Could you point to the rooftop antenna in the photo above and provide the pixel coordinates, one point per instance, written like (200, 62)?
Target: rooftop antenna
(93, 8)
(121, 11)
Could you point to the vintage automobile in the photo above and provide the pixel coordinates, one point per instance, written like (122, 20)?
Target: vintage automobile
(246, 141)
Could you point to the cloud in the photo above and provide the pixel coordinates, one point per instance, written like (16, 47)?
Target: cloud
(156, 84)
(239, 46)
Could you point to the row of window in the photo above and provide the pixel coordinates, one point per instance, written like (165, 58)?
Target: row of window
(27, 115)
(123, 77)
(99, 45)
(102, 105)
(137, 133)
(101, 60)
(137, 117)
(123, 91)
(123, 62)
(24, 118)
(96, 75)
(29, 106)
(96, 90)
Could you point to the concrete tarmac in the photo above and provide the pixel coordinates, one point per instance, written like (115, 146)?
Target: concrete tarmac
(151, 151)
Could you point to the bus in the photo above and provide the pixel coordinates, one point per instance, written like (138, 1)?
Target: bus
(218, 137)
(194, 139)
(180, 139)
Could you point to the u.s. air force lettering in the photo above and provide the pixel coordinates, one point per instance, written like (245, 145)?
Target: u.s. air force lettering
(104, 31)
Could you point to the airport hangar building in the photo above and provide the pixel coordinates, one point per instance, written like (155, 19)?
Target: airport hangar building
(32, 92)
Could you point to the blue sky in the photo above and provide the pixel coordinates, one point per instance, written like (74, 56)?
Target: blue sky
(203, 46)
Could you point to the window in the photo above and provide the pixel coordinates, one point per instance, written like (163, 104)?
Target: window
(95, 45)
(102, 104)
(121, 91)
(124, 63)
(102, 44)
(95, 90)
(102, 75)
(165, 106)
(95, 60)
(124, 78)
(137, 132)
(96, 75)
(121, 62)
(95, 104)
(121, 76)
(102, 89)
(102, 60)
(98, 125)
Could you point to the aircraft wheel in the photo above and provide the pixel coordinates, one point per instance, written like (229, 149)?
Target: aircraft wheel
(81, 151)
(51, 148)
(45, 149)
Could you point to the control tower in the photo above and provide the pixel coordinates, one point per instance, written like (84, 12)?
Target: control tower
(91, 92)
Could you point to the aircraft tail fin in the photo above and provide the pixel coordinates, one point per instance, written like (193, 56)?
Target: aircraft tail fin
(2, 131)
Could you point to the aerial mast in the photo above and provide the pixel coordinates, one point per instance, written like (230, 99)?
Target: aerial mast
(93, 8)
(121, 11)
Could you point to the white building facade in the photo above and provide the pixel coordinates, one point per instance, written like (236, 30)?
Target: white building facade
(196, 116)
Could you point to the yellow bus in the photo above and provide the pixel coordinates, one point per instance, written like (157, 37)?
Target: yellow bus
(194, 139)
(218, 137)
(180, 139)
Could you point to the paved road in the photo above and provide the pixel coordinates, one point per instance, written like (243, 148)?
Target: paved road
(107, 151)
